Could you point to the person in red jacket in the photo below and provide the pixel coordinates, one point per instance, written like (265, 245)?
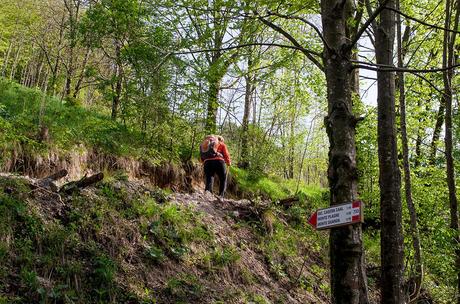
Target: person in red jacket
(216, 164)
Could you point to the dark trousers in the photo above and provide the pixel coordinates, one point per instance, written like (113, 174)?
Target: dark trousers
(212, 167)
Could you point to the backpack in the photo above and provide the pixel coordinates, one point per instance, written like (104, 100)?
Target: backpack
(208, 148)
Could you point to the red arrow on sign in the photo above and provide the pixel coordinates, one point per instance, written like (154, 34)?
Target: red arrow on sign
(313, 219)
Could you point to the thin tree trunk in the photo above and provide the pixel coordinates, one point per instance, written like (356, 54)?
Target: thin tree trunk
(247, 112)
(437, 131)
(55, 68)
(42, 107)
(119, 81)
(348, 281)
(15, 63)
(291, 147)
(117, 95)
(7, 58)
(38, 71)
(418, 276)
(213, 104)
(82, 74)
(73, 8)
(389, 176)
(418, 141)
(448, 60)
(24, 74)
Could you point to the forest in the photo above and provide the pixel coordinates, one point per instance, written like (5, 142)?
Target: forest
(320, 103)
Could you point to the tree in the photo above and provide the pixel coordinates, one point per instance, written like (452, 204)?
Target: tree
(209, 29)
(390, 177)
(418, 275)
(348, 280)
(110, 25)
(448, 60)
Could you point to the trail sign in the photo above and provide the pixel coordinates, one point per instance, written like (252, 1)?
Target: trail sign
(338, 215)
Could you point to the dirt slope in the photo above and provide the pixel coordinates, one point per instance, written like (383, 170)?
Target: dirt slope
(125, 242)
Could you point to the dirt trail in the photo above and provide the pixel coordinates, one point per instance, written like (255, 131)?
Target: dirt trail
(223, 217)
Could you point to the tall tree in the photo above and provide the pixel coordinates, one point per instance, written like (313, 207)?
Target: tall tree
(210, 29)
(348, 281)
(110, 25)
(389, 174)
(418, 273)
(448, 60)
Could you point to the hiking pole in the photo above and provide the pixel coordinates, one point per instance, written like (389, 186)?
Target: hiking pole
(226, 179)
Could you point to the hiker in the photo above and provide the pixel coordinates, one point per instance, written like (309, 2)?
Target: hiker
(214, 154)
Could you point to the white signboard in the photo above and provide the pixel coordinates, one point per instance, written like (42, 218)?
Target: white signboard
(339, 215)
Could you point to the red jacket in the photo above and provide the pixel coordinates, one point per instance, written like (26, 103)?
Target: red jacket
(222, 149)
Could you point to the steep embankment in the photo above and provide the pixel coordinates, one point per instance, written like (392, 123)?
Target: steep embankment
(40, 134)
(124, 242)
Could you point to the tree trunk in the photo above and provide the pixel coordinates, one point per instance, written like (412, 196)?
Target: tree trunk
(418, 275)
(38, 72)
(348, 282)
(437, 130)
(15, 63)
(82, 74)
(389, 175)
(73, 9)
(119, 81)
(244, 163)
(213, 104)
(24, 74)
(291, 143)
(7, 58)
(448, 60)
(418, 141)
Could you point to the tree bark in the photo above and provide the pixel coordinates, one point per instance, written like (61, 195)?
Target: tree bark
(448, 60)
(418, 275)
(389, 174)
(348, 282)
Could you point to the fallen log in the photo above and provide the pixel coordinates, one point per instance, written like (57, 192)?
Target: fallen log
(58, 175)
(82, 183)
(48, 182)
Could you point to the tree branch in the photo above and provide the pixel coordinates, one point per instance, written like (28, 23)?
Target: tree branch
(294, 47)
(429, 82)
(297, 45)
(389, 68)
(422, 22)
(304, 21)
(369, 21)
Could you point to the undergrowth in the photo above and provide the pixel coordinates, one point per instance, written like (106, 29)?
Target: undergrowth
(276, 188)
(84, 251)
(24, 112)
(77, 255)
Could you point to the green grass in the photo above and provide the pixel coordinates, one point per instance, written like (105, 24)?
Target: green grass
(70, 126)
(275, 188)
